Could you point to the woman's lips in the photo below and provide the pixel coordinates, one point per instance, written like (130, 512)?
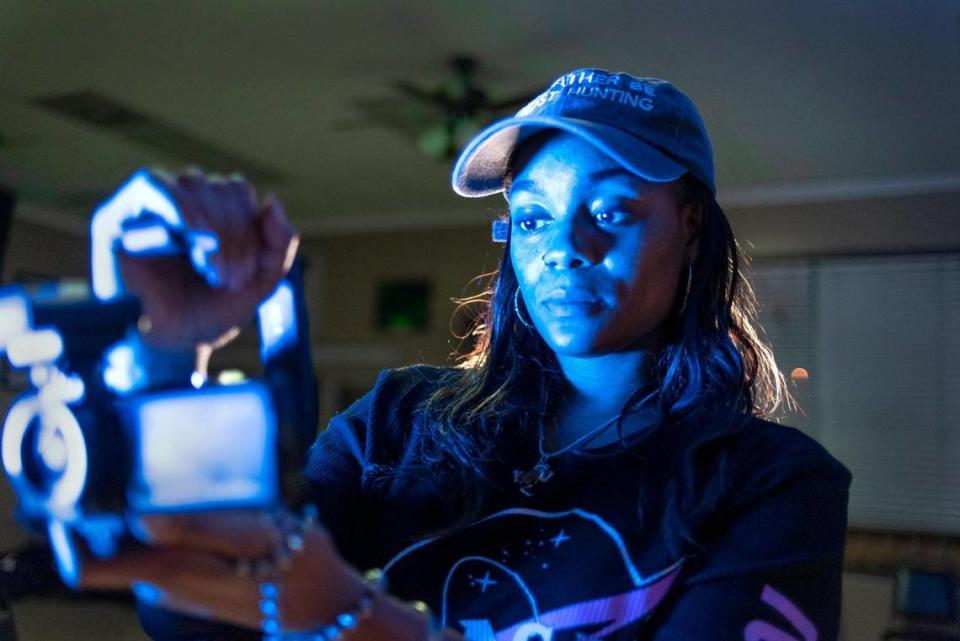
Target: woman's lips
(567, 304)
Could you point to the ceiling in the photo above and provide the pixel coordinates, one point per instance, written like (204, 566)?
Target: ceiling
(804, 99)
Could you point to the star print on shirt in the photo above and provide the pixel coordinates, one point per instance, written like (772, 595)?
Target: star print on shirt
(559, 538)
(484, 583)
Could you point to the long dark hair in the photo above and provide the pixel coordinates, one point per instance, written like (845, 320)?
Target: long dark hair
(712, 365)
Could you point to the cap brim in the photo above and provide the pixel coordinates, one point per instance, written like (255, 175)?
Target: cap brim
(482, 166)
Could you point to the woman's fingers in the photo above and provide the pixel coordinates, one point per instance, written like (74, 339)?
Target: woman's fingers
(257, 246)
(239, 534)
(280, 242)
(231, 213)
(155, 565)
(207, 208)
(186, 580)
(257, 241)
(213, 565)
(276, 228)
(244, 200)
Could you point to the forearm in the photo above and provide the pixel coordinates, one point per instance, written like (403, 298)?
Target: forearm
(321, 595)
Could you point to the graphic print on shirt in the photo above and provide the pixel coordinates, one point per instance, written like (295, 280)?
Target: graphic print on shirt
(760, 630)
(526, 575)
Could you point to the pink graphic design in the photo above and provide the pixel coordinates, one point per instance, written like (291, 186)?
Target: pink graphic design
(616, 611)
(758, 630)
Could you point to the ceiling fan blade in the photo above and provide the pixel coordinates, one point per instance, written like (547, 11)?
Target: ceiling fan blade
(436, 97)
(514, 102)
(348, 125)
(395, 111)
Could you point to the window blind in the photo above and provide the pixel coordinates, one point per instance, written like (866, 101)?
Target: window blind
(880, 338)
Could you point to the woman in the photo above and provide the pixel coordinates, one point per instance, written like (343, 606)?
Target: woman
(598, 468)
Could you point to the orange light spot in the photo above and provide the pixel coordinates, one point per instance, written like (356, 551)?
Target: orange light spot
(799, 374)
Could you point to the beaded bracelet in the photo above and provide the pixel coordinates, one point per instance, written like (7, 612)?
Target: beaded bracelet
(290, 542)
(344, 621)
(434, 629)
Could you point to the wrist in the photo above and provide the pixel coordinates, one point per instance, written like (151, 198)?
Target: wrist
(355, 602)
(365, 611)
(392, 618)
(309, 593)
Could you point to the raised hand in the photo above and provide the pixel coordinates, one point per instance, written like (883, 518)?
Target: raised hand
(257, 247)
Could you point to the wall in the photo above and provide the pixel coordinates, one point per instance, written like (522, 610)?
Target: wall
(920, 222)
(345, 273)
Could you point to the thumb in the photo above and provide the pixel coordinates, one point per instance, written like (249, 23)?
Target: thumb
(278, 234)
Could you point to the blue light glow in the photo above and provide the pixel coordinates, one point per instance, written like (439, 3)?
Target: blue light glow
(147, 593)
(122, 373)
(204, 449)
(57, 385)
(202, 246)
(15, 317)
(139, 193)
(149, 235)
(500, 231)
(277, 320)
(145, 240)
(14, 429)
(101, 532)
(115, 221)
(35, 347)
(62, 499)
(68, 489)
(52, 447)
(63, 553)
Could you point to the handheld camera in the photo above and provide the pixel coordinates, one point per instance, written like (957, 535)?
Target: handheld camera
(89, 446)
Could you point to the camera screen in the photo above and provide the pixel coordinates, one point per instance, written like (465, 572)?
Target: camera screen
(204, 449)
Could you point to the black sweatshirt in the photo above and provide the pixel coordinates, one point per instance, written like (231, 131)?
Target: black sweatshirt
(596, 552)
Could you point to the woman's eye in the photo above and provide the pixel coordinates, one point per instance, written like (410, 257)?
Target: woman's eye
(610, 216)
(529, 221)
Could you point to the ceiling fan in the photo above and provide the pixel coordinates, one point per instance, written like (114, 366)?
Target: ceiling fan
(441, 117)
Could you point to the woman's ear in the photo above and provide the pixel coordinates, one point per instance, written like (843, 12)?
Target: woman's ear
(691, 217)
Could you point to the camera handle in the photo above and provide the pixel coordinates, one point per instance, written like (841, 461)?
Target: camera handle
(143, 218)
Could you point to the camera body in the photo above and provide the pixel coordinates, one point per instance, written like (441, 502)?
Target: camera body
(91, 445)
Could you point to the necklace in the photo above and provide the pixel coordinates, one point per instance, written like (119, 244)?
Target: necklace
(542, 472)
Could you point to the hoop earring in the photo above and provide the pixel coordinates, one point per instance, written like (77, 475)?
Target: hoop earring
(516, 309)
(686, 292)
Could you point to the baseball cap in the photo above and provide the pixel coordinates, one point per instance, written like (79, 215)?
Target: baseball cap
(648, 125)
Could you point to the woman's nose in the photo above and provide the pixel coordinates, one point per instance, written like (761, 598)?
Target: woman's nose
(572, 244)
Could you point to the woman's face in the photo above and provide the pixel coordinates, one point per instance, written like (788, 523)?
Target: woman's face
(598, 251)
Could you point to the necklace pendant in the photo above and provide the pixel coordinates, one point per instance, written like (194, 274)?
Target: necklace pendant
(539, 473)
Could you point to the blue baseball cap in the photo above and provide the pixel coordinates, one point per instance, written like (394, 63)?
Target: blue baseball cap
(646, 124)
